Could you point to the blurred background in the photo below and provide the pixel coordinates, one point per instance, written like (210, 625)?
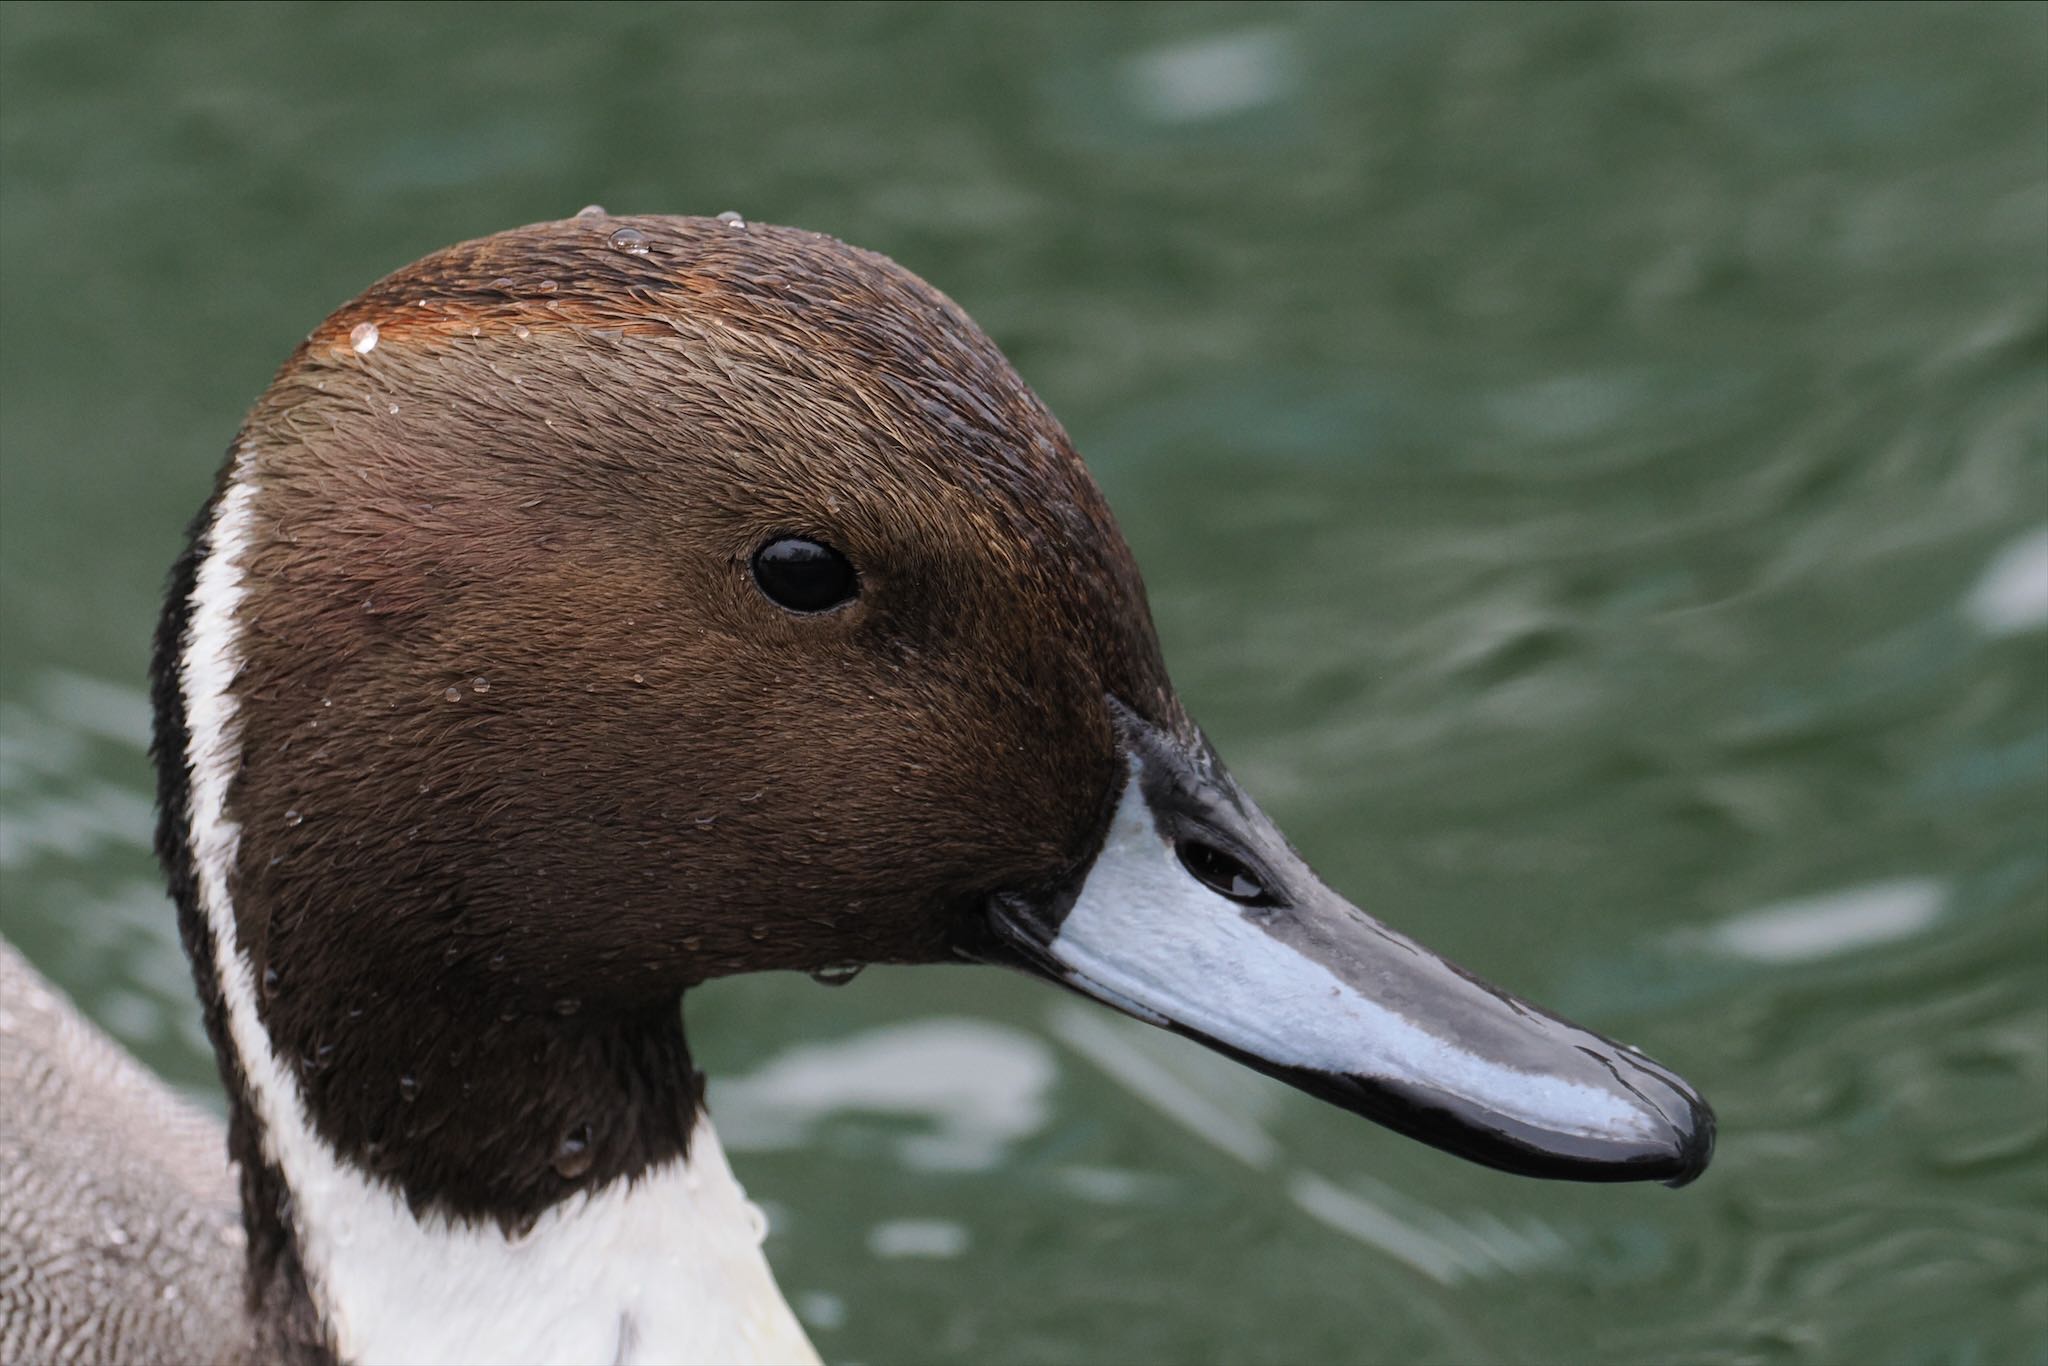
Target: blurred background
(1591, 468)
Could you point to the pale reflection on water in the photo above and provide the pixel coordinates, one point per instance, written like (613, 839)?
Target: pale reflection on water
(977, 1087)
(2012, 595)
(1833, 923)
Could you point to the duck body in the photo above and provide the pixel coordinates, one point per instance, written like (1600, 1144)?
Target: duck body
(606, 606)
(120, 1235)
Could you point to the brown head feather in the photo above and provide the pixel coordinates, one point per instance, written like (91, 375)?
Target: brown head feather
(527, 753)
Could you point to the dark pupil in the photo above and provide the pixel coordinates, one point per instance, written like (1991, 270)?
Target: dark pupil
(803, 575)
(1222, 874)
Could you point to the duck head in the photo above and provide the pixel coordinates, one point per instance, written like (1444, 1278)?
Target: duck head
(614, 604)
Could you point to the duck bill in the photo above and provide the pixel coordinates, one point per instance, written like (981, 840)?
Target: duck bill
(1196, 916)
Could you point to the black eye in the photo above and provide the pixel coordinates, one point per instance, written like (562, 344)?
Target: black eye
(804, 576)
(1222, 874)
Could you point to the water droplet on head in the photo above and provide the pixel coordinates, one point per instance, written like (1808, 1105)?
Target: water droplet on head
(732, 219)
(568, 1005)
(632, 241)
(521, 331)
(363, 337)
(293, 817)
(545, 287)
(392, 410)
(479, 684)
(573, 1155)
(453, 694)
(451, 953)
(836, 974)
(504, 284)
(591, 211)
(408, 1087)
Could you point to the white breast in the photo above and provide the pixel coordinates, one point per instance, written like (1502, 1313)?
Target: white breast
(665, 1269)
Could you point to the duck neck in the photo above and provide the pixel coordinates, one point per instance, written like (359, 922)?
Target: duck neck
(426, 1175)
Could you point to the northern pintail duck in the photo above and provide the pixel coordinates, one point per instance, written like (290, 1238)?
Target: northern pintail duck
(610, 605)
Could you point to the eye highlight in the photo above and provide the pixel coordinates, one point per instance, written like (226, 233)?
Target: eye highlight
(805, 576)
(1222, 874)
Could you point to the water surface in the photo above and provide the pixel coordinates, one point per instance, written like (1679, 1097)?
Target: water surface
(1591, 467)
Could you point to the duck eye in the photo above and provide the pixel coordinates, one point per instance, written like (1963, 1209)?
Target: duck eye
(1222, 874)
(804, 576)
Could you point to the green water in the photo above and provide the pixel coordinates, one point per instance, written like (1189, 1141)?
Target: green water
(1591, 467)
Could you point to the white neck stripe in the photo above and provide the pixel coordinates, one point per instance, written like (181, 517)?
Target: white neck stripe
(664, 1268)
